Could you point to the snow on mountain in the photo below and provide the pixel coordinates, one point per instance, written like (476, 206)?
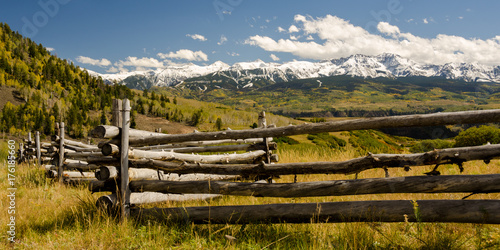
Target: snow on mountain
(245, 73)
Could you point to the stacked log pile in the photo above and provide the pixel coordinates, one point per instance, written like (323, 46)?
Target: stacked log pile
(145, 162)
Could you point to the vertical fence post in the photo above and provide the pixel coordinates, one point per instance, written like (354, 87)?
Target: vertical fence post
(21, 153)
(124, 195)
(263, 124)
(38, 148)
(116, 119)
(29, 138)
(61, 153)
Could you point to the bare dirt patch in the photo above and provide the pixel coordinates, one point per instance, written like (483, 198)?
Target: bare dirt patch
(9, 94)
(152, 123)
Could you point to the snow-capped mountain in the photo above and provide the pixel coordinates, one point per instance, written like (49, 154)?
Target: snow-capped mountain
(245, 74)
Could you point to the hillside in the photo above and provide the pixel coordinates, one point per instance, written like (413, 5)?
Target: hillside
(38, 89)
(345, 96)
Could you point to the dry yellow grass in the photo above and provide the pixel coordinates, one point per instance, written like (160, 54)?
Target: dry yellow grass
(50, 216)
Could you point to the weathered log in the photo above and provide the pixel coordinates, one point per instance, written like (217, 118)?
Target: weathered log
(108, 201)
(106, 172)
(110, 185)
(109, 132)
(111, 149)
(445, 118)
(68, 142)
(456, 211)
(442, 156)
(70, 174)
(123, 192)
(197, 143)
(60, 157)
(116, 118)
(21, 153)
(221, 159)
(50, 167)
(80, 149)
(38, 148)
(225, 148)
(82, 155)
(197, 177)
(414, 184)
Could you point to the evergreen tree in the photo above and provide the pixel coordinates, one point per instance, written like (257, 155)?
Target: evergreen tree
(218, 124)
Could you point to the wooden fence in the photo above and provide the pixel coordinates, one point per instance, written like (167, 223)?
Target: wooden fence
(131, 145)
(141, 167)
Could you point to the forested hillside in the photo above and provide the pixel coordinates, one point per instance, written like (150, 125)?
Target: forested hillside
(38, 89)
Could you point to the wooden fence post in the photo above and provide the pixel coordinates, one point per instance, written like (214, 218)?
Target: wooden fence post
(124, 194)
(21, 153)
(116, 119)
(38, 148)
(61, 153)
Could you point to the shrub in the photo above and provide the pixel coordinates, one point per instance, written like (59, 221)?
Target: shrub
(327, 140)
(477, 136)
(372, 141)
(285, 139)
(429, 145)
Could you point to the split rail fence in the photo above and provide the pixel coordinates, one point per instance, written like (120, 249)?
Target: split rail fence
(132, 146)
(143, 167)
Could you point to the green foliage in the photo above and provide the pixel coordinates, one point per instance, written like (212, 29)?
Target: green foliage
(327, 140)
(285, 139)
(429, 145)
(477, 136)
(196, 118)
(317, 120)
(218, 124)
(373, 141)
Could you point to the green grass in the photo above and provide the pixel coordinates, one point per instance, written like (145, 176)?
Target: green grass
(52, 216)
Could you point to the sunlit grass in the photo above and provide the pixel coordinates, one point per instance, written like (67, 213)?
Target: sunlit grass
(51, 216)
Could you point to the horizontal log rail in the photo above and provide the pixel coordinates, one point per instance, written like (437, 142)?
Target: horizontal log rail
(372, 161)
(445, 118)
(213, 159)
(111, 149)
(107, 172)
(202, 143)
(456, 211)
(67, 142)
(109, 201)
(413, 184)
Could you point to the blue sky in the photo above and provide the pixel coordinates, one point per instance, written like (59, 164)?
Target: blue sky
(112, 36)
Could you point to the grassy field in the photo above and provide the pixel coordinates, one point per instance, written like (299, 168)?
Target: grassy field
(52, 216)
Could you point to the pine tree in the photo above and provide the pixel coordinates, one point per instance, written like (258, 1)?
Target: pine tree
(218, 124)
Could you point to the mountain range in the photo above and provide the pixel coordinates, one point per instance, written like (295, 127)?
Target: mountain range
(250, 74)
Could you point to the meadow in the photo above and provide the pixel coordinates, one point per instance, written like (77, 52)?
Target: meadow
(50, 215)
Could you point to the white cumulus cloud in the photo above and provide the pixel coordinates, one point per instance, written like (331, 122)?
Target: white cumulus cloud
(142, 63)
(293, 29)
(185, 54)
(388, 29)
(342, 39)
(274, 57)
(94, 62)
(197, 37)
